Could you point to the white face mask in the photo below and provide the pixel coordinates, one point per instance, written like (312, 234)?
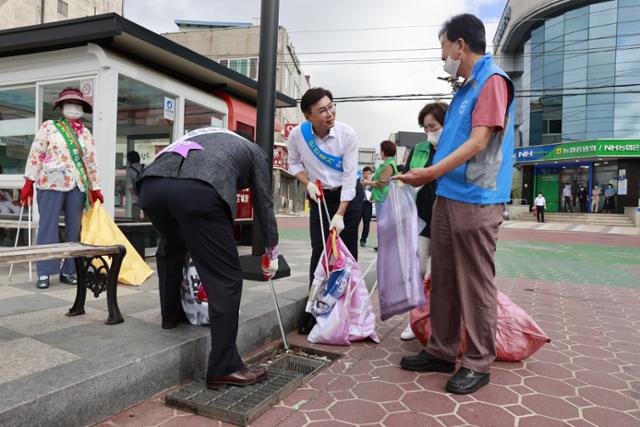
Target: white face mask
(434, 137)
(451, 66)
(72, 111)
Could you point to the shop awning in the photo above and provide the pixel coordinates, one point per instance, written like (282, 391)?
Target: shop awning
(113, 32)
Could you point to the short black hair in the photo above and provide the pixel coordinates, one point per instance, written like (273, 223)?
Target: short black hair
(467, 27)
(367, 169)
(312, 96)
(133, 157)
(437, 109)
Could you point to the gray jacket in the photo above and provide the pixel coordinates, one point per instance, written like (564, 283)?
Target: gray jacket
(228, 163)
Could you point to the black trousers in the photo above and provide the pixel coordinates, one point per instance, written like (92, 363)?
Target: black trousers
(367, 212)
(567, 204)
(191, 216)
(540, 213)
(349, 235)
(583, 205)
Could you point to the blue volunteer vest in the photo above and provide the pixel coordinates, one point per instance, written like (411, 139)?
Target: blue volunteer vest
(486, 178)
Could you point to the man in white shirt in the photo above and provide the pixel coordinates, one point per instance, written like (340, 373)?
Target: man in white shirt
(326, 150)
(541, 204)
(568, 198)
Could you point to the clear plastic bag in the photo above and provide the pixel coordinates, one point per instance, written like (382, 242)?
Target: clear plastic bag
(398, 270)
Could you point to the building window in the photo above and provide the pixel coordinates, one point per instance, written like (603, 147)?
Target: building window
(17, 127)
(141, 127)
(245, 66)
(196, 116)
(63, 8)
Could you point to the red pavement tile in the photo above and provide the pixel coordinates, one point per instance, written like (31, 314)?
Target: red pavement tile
(550, 355)
(579, 402)
(609, 417)
(537, 421)
(394, 407)
(378, 391)
(318, 415)
(597, 365)
(340, 383)
(331, 423)
(357, 411)
(483, 414)
(607, 398)
(322, 401)
(549, 370)
(518, 410)
(393, 374)
(299, 395)
(409, 386)
(580, 423)
(451, 420)
(596, 352)
(343, 395)
(505, 377)
(296, 419)
(550, 406)
(433, 381)
(190, 421)
(148, 413)
(550, 386)
(602, 380)
(428, 402)
(408, 419)
(272, 417)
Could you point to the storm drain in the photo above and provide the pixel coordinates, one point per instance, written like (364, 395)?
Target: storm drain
(241, 405)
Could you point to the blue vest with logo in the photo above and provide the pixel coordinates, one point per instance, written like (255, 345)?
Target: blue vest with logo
(486, 178)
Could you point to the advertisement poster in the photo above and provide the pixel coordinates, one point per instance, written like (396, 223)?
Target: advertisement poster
(622, 182)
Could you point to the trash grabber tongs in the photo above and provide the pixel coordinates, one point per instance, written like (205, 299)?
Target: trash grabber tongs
(17, 237)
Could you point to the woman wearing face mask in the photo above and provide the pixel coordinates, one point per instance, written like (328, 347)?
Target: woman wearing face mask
(430, 119)
(62, 166)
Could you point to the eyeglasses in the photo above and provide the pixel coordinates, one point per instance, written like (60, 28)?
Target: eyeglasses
(325, 111)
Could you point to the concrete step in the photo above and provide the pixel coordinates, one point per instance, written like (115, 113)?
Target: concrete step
(592, 219)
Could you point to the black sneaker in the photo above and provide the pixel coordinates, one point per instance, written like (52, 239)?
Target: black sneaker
(424, 362)
(68, 279)
(466, 381)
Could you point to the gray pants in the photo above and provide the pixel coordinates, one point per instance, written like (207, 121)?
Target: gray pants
(463, 247)
(50, 205)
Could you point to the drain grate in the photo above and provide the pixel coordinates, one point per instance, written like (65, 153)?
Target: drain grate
(241, 405)
(237, 405)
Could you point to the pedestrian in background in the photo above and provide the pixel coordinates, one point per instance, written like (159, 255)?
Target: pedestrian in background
(430, 119)
(609, 199)
(595, 199)
(541, 205)
(380, 180)
(134, 169)
(583, 198)
(473, 166)
(367, 207)
(62, 167)
(568, 198)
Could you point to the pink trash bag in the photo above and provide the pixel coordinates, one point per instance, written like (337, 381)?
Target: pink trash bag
(518, 336)
(352, 317)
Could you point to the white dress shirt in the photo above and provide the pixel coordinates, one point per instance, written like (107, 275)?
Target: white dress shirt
(341, 141)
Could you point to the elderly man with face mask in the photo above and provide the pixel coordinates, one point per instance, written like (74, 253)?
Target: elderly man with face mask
(62, 167)
(473, 166)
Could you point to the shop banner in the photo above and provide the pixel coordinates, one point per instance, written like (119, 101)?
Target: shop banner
(578, 150)
(622, 182)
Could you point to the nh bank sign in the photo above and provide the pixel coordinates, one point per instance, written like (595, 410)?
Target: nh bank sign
(577, 150)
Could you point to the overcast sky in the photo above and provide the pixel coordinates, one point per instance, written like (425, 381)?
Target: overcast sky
(318, 26)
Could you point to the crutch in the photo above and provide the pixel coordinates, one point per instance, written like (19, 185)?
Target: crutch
(17, 237)
(29, 234)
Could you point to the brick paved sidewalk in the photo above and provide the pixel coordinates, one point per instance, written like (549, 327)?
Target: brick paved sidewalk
(589, 374)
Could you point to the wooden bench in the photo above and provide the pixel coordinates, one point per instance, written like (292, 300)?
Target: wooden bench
(93, 270)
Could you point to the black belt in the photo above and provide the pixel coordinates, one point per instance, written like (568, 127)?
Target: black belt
(333, 189)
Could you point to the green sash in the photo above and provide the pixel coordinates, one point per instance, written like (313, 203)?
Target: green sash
(420, 155)
(75, 149)
(380, 194)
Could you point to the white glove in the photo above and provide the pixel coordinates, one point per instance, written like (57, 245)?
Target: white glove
(313, 191)
(337, 222)
(269, 267)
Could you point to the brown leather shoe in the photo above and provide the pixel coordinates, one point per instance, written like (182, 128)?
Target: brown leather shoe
(244, 376)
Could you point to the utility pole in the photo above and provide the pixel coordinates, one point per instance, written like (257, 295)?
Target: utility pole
(269, 10)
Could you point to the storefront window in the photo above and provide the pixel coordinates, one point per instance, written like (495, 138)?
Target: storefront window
(144, 126)
(196, 116)
(17, 128)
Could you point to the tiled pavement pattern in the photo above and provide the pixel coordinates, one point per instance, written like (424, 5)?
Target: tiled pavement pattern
(588, 375)
(578, 228)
